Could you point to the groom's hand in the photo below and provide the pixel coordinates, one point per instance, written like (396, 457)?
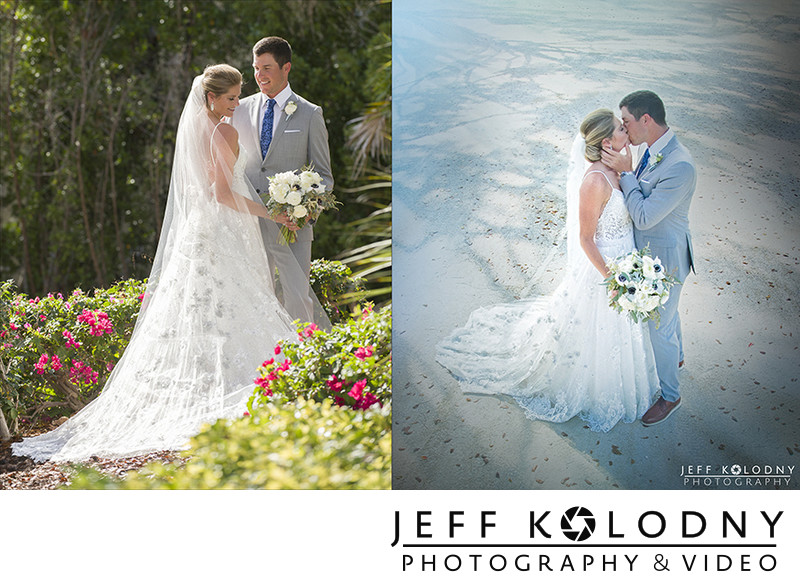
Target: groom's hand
(616, 160)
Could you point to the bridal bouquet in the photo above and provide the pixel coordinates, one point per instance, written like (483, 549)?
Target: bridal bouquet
(638, 285)
(300, 195)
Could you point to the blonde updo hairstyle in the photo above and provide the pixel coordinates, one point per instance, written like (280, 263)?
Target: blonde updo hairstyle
(598, 125)
(218, 79)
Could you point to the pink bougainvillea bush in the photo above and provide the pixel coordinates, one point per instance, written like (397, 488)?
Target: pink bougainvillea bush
(351, 364)
(58, 350)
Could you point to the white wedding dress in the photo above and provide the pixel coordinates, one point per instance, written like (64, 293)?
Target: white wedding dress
(565, 354)
(209, 319)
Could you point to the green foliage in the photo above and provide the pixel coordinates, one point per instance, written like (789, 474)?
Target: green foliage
(351, 365)
(369, 250)
(58, 352)
(90, 97)
(334, 285)
(295, 445)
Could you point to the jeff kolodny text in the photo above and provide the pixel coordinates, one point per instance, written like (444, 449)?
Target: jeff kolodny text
(578, 539)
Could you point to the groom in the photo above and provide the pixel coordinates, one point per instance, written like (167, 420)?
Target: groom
(658, 195)
(281, 131)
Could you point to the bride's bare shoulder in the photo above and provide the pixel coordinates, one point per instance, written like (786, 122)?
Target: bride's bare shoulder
(230, 135)
(595, 181)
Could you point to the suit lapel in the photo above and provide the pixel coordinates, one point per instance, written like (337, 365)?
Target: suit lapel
(276, 137)
(652, 166)
(255, 127)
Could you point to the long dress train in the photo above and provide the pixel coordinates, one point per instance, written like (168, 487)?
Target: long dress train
(565, 354)
(209, 319)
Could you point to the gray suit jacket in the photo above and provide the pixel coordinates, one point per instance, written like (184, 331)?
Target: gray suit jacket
(300, 139)
(658, 203)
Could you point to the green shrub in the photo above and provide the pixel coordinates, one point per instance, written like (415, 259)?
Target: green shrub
(294, 445)
(57, 352)
(351, 364)
(331, 281)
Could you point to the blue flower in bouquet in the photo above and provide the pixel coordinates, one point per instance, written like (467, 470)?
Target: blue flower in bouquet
(638, 285)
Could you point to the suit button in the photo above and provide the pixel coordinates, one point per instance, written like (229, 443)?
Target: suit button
(258, 191)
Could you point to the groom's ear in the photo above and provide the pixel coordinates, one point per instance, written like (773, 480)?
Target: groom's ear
(287, 67)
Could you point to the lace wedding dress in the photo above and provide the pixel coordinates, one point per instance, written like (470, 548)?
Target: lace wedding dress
(209, 319)
(565, 354)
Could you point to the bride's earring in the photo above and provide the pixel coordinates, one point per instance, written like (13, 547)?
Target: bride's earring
(212, 107)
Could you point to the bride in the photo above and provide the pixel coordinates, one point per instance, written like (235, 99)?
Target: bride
(209, 316)
(568, 353)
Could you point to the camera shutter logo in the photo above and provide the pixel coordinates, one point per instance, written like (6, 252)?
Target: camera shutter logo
(578, 523)
(736, 469)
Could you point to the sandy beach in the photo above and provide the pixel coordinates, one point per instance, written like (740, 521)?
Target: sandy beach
(487, 99)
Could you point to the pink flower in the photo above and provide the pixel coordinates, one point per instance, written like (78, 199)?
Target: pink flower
(42, 318)
(270, 361)
(277, 350)
(27, 325)
(247, 414)
(368, 400)
(98, 322)
(357, 390)
(13, 327)
(55, 363)
(109, 366)
(41, 365)
(3, 333)
(339, 401)
(335, 384)
(308, 331)
(82, 372)
(284, 366)
(71, 342)
(264, 384)
(364, 352)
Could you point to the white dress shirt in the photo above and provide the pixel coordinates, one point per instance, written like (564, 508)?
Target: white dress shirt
(661, 142)
(280, 102)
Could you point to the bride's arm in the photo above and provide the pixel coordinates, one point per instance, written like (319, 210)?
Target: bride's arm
(224, 160)
(594, 194)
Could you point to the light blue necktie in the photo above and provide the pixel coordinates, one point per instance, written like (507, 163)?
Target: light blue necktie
(266, 128)
(643, 162)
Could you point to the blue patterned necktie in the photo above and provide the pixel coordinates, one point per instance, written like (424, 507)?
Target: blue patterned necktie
(643, 162)
(266, 128)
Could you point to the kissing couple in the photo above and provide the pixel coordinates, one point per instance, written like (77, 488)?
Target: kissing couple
(570, 353)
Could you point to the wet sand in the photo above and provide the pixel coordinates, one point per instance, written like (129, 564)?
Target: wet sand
(487, 100)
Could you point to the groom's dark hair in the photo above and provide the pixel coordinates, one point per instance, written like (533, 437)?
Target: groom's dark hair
(279, 48)
(645, 102)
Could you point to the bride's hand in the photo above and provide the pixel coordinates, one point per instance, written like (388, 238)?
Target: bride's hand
(617, 160)
(286, 221)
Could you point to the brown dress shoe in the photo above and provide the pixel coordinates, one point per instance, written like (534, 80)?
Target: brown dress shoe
(659, 411)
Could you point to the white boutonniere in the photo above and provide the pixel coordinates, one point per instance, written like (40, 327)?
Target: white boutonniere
(656, 160)
(289, 109)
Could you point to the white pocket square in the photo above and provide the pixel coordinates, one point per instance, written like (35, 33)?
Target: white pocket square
(292, 131)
